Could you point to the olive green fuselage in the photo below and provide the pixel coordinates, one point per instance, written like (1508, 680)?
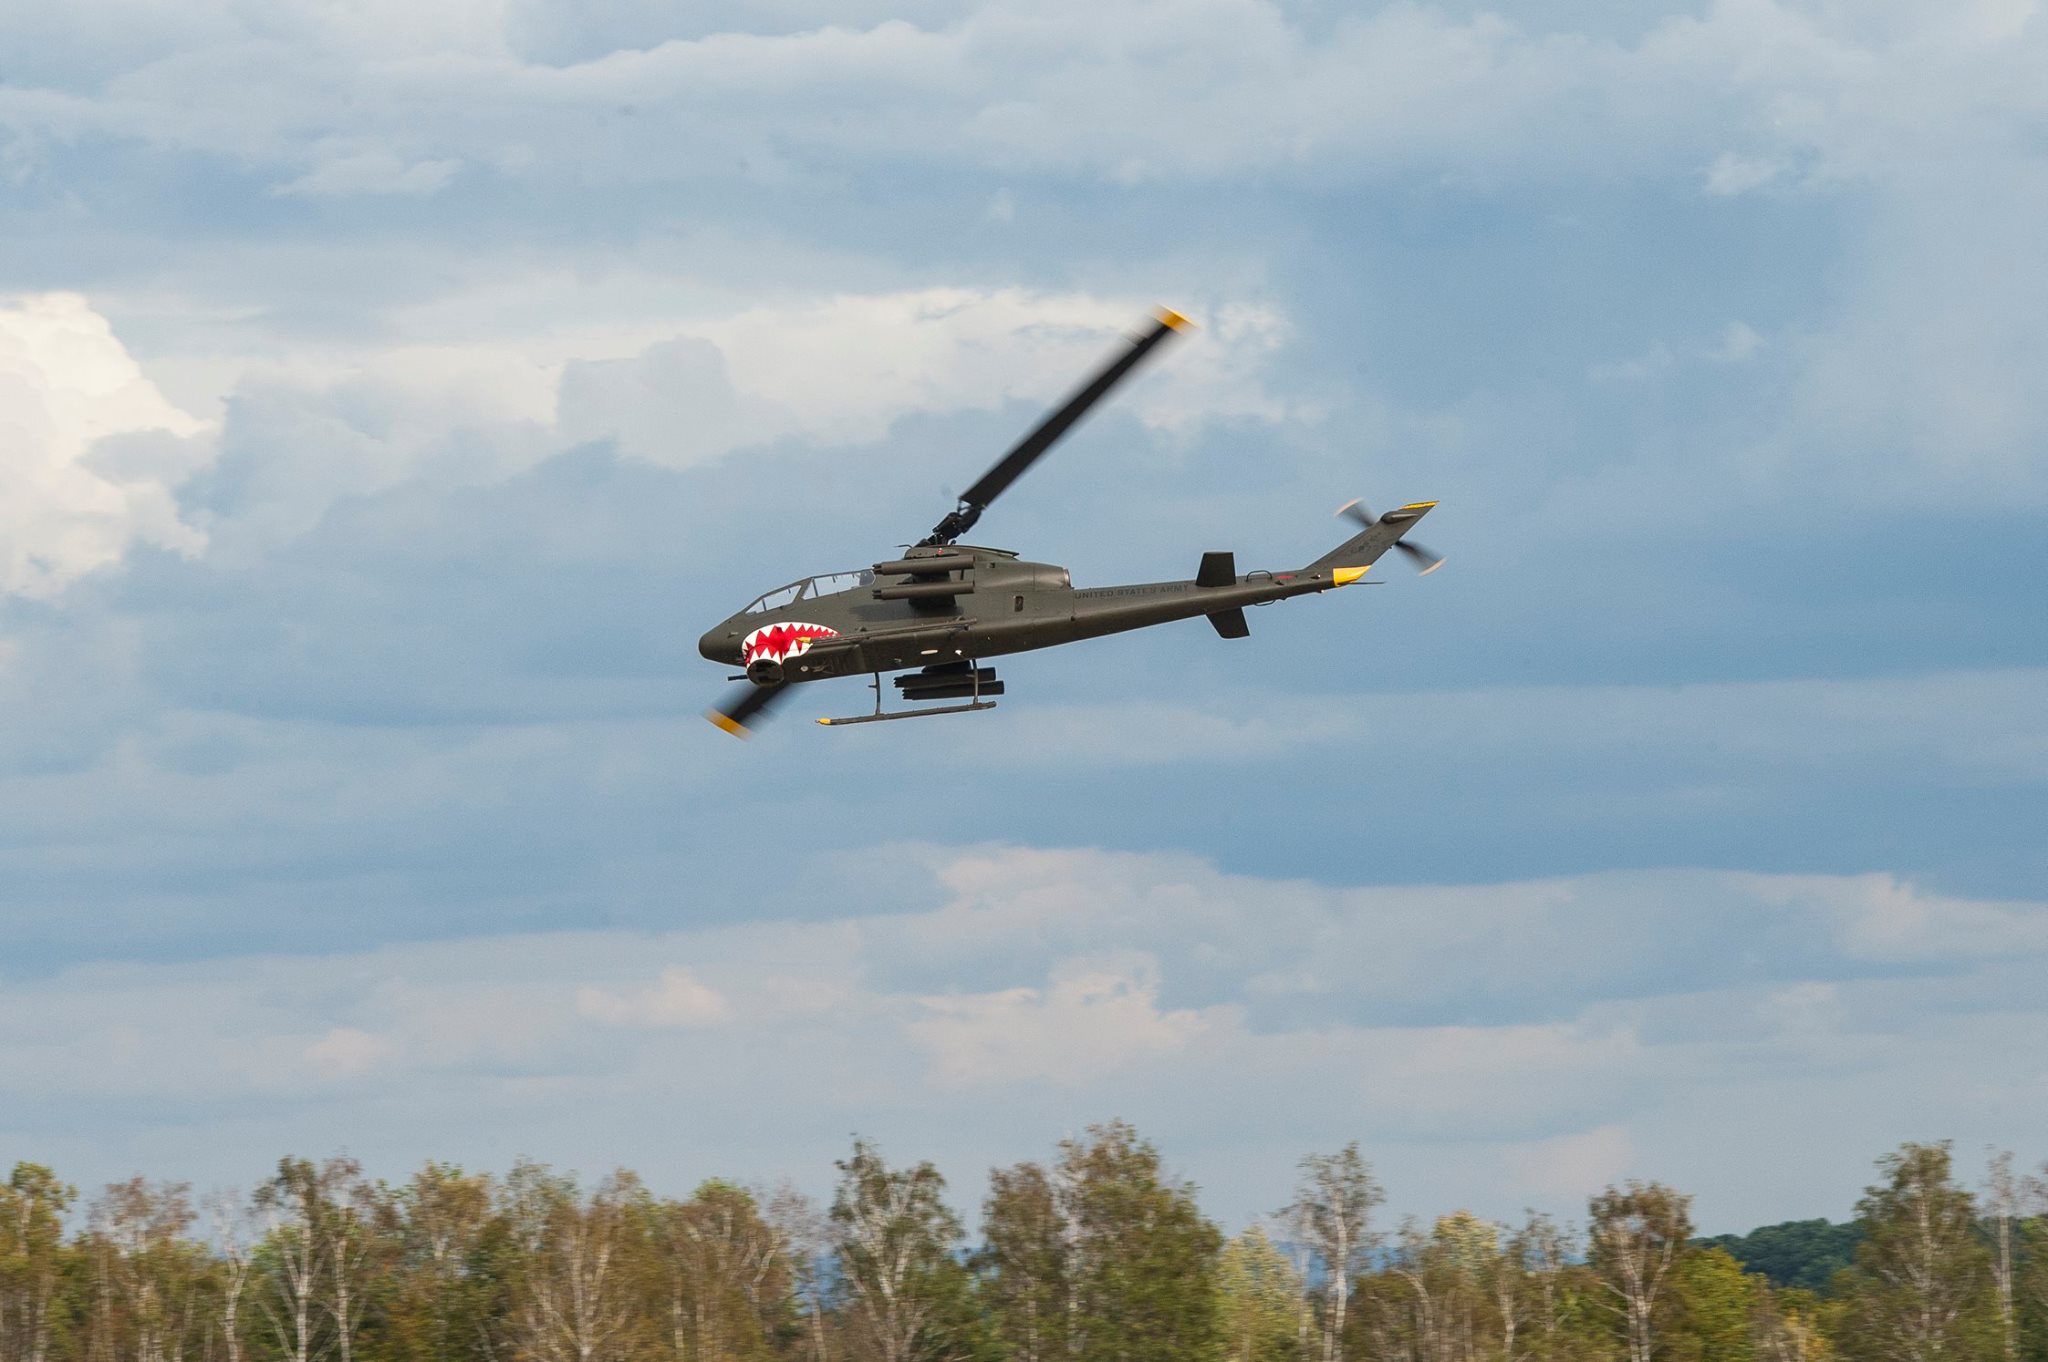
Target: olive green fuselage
(999, 605)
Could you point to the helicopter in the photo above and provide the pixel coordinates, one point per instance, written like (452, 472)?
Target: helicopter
(943, 608)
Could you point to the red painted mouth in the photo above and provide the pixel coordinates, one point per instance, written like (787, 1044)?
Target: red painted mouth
(780, 642)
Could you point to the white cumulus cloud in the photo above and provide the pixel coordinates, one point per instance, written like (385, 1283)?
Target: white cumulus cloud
(89, 448)
(1091, 1018)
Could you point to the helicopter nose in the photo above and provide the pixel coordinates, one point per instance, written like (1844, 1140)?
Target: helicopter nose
(719, 645)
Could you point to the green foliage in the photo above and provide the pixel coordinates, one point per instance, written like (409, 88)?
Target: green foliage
(34, 1320)
(1023, 1267)
(1098, 1255)
(1101, 1258)
(1920, 1290)
(1637, 1239)
(1715, 1302)
(1144, 1255)
(904, 1294)
(1259, 1300)
(1798, 1253)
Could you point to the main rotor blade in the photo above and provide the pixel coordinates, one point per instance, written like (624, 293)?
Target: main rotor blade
(751, 704)
(1011, 466)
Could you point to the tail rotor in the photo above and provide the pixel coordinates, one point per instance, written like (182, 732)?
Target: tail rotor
(1424, 561)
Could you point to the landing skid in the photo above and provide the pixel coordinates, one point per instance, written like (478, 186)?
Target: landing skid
(880, 715)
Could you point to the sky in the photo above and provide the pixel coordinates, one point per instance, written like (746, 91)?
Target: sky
(390, 393)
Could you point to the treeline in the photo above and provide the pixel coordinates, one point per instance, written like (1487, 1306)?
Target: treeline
(1097, 1255)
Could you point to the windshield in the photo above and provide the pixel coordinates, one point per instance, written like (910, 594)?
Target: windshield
(810, 588)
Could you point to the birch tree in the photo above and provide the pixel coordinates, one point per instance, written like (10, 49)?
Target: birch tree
(1542, 1250)
(441, 1215)
(727, 1273)
(2002, 1213)
(1024, 1264)
(228, 1215)
(1141, 1253)
(575, 1299)
(894, 1238)
(1332, 1214)
(294, 1260)
(145, 1274)
(32, 1207)
(1634, 1239)
(1922, 1285)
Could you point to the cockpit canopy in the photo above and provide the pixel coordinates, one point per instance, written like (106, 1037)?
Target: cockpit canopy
(810, 589)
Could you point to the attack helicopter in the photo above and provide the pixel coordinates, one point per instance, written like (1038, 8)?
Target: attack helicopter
(943, 608)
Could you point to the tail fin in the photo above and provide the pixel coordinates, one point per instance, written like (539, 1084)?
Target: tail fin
(1363, 549)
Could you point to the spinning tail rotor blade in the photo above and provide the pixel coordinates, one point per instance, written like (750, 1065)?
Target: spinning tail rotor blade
(1425, 561)
(1356, 510)
(746, 708)
(1011, 466)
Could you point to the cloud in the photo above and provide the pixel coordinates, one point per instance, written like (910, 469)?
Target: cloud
(375, 171)
(346, 1052)
(678, 999)
(90, 451)
(1732, 174)
(459, 398)
(1091, 1018)
(1492, 1044)
(1199, 89)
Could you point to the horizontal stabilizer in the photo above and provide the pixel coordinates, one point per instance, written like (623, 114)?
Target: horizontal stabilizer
(1231, 623)
(1218, 569)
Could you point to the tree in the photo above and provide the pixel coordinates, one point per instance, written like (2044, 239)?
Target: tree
(1023, 1265)
(1716, 1301)
(32, 1207)
(1332, 1214)
(1787, 1326)
(1921, 1287)
(1634, 1239)
(806, 1238)
(440, 1298)
(2002, 1194)
(727, 1273)
(1449, 1293)
(903, 1292)
(573, 1300)
(1104, 1258)
(1802, 1253)
(2030, 1282)
(320, 1235)
(146, 1277)
(1258, 1294)
(231, 1234)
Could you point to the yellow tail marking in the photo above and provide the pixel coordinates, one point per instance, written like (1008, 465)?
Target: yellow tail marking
(1346, 576)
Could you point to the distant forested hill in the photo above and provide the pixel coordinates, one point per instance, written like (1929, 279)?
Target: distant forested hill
(1802, 1253)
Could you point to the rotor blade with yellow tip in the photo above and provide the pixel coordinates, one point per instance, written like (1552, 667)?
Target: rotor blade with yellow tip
(976, 499)
(745, 708)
